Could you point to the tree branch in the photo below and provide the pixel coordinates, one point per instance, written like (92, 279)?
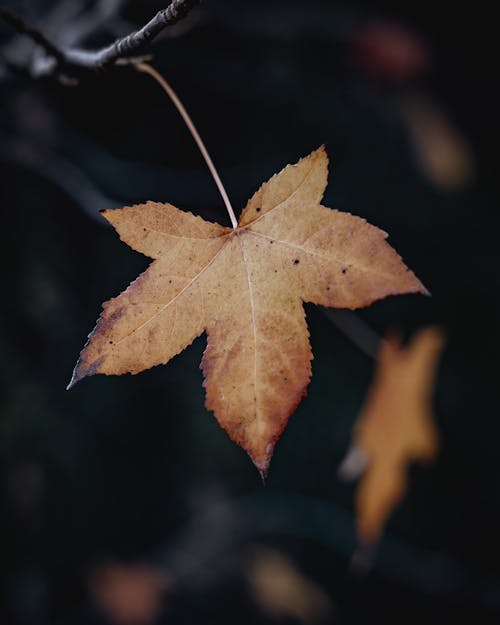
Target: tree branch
(71, 62)
(39, 38)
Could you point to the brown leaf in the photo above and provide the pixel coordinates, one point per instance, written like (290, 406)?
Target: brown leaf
(395, 426)
(244, 288)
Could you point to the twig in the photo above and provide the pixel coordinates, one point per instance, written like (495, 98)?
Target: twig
(38, 37)
(359, 332)
(63, 61)
(53, 166)
(137, 41)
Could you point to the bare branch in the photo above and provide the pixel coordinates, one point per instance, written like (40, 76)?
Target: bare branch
(39, 38)
(360, 333)
(71, 62)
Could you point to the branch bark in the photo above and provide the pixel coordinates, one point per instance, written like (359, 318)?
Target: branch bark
(72, 63)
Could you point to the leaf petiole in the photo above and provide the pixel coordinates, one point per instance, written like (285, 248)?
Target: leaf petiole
(146, 68)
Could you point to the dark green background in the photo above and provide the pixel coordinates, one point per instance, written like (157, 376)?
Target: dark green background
(129, 468)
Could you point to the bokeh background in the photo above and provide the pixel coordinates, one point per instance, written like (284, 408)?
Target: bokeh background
(122, 501)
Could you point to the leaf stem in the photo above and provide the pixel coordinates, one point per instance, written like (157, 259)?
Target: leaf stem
(145, 67)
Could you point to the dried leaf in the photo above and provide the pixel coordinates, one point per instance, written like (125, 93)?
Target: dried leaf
(244, 288)
(395, 426)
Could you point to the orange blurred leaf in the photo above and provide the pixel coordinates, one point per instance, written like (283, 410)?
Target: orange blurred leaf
(395, 426)
(128, 594)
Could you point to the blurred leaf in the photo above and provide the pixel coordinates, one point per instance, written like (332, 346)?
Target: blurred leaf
(128, 594)
(443, 156)
(395, 427)
(282, 590)
(390, 51)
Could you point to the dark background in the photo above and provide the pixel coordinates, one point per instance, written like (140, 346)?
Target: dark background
(122, 471)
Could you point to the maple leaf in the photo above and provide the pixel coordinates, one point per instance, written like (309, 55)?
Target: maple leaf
(245, 288)
(395, 427)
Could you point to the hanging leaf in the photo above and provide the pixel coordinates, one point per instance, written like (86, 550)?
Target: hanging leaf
(244, 287)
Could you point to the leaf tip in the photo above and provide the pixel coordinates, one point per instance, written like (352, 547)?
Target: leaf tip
(83, 369)
(262, 461)
(262, 468)
(105, 213)
(416, 286)
(75, 378)
(321, 152)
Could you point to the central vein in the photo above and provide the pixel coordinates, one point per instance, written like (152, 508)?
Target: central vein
(254, 329)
